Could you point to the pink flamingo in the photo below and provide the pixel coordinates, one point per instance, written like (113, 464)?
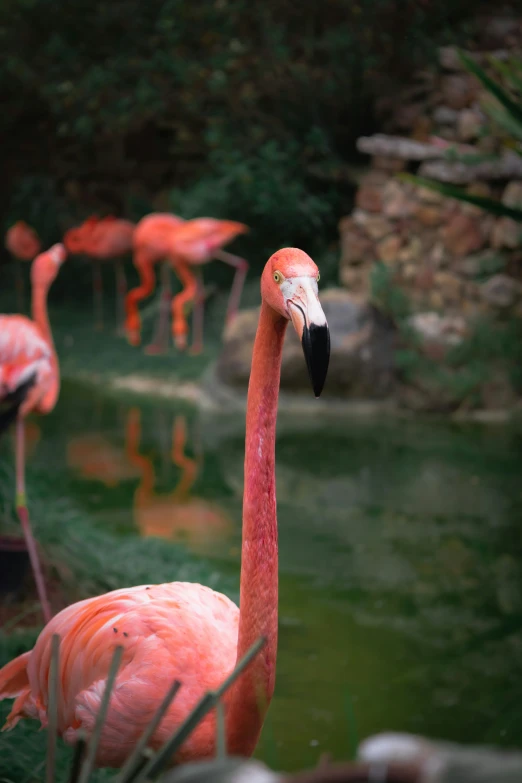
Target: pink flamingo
(30, 381)
(23, 243)
(150, 243)
(183, 244)
(104, 239)
(180, 629)
(195, 243)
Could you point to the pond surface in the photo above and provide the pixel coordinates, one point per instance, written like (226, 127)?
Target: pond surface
(400, 556)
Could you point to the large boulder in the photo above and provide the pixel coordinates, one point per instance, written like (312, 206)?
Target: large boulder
(362, 350)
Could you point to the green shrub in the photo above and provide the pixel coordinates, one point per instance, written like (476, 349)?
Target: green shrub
(233, 104)
(267, 190)
(387, 296)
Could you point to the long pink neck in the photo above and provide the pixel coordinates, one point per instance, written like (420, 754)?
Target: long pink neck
(250, 697)
(39, 308)
(40, 317)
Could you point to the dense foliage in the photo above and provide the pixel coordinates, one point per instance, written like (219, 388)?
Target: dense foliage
(246, 110)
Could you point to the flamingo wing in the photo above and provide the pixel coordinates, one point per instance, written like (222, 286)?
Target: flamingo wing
(152, 235)
(197, 239)
(177, 630)
(112, 237)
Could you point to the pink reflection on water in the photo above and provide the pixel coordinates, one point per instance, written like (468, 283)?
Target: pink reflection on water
(176, 515)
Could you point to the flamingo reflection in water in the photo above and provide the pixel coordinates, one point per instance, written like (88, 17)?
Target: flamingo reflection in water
(94, 458)
(177, 515)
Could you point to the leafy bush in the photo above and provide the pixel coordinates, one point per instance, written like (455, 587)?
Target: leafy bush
(387, 296)
(268, 191)
(35, 200)
(232, 105)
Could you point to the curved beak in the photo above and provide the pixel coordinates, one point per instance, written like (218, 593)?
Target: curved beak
(310, 324)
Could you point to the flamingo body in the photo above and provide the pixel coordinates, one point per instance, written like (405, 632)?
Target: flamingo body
(178, 630)
(22, 241)
(74, 238)
(184, 244)
(105, 239)
(102, 238)
(196, 241)
(153, 233)
(24, 353)
(109, 238)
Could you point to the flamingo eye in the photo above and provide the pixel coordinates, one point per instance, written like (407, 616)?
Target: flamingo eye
(318, 276)
(278, 277)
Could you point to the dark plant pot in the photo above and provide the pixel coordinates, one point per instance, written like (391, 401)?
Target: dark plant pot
(14, 562)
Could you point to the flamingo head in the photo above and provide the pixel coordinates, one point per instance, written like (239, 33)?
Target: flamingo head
(46, 266)
(289, 286)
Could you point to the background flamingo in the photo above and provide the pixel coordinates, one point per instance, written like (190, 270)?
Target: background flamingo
(175, 515)
(194, 243)
(102, 240)
(30, 381)
(180, 629)
(151, 246)
(183, 244)
(23, 243)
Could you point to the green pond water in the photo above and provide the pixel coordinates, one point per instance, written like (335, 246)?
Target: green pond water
(400, 556)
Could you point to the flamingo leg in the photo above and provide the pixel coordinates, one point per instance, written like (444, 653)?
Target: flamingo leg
(121, 291)
(241, 267)
(23, 515)
(97, 292)
(198, 315)
(144, 266)
(19, 285)
(160, 341)
(179, 322)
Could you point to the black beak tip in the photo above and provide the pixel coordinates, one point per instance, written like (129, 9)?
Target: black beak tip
(316, 348)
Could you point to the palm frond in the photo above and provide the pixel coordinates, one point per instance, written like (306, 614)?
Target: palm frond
(511, 71)
(508, 123)
(492, 86)
(490, 205)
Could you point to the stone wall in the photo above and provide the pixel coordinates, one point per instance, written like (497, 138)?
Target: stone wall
(455, 263)
(446, 255)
